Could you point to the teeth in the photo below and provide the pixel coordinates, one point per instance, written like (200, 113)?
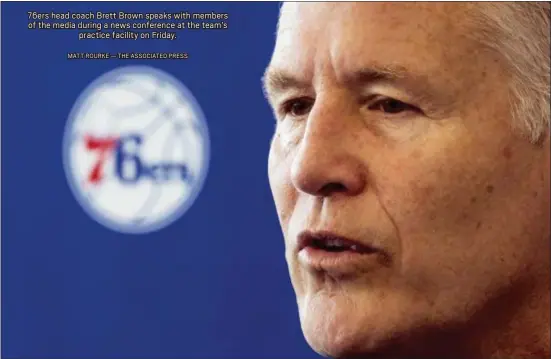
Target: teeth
(334, 243)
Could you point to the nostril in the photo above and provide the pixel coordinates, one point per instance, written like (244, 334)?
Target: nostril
(332, 187)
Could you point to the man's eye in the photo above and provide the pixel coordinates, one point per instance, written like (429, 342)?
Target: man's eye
(297, 107)
(391, 106)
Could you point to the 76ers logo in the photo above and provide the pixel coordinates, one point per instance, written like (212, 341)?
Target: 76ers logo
(128, 166)
(136, 150)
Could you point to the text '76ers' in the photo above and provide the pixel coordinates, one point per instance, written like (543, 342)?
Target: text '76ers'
(128, 165)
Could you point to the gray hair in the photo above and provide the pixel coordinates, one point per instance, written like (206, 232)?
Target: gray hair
(519, 33)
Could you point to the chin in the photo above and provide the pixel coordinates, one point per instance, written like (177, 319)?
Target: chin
(340, 326)
(339, 342)
(349, 322)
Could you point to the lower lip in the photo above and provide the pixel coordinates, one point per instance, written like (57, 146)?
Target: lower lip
(338, 263)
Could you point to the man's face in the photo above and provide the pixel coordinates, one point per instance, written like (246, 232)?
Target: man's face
(393, 130)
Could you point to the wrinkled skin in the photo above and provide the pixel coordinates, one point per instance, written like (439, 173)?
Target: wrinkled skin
(425, 167)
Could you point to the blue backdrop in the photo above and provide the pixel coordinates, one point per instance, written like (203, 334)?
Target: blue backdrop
(212, 285)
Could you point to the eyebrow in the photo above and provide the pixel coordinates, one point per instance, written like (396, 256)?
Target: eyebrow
(276, 81)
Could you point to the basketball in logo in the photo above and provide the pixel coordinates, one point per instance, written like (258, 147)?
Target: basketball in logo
(136, 149)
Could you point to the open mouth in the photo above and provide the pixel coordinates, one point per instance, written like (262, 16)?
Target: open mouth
(324, 252)
(333, 243)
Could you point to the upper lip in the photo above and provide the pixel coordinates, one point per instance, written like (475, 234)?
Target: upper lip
(307, 238)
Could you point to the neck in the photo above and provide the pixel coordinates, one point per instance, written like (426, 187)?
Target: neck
(517, 326)
(512, 325)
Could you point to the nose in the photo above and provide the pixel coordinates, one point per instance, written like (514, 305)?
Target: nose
(328, 161)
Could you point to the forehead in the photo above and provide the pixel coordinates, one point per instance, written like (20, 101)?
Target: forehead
(343, 36)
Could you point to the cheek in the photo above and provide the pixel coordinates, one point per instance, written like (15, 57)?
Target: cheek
(453, 214)
(443, 185)
(283, 191)
(438, 205)
(422, 197)
(285, 198)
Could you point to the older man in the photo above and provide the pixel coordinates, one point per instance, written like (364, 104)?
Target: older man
(410, 172)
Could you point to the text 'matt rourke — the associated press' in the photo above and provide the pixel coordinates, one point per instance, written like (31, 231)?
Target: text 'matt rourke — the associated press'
(127, 56)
